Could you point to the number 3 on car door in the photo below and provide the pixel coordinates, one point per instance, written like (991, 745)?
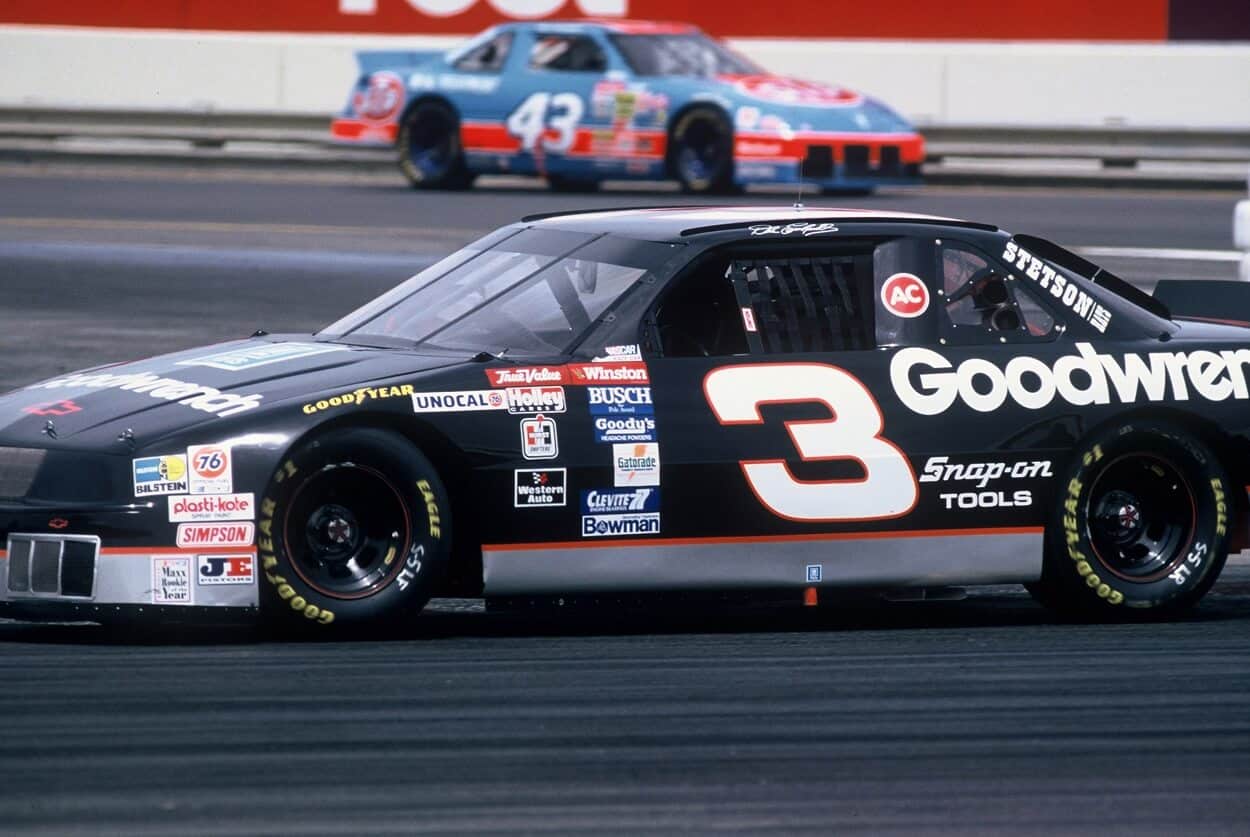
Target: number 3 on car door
(543, 112)
(888, 487)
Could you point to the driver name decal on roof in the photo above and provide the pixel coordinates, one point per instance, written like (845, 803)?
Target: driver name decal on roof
(803, 229)
(1079, 302)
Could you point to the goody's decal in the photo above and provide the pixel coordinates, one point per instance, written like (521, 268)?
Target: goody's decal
(624, 428)
(620, 500)
(160, 475)
(613, 401)
(249, 357)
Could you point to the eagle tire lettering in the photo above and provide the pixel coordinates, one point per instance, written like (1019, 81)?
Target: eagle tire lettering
(353, 529)
(1141, 525)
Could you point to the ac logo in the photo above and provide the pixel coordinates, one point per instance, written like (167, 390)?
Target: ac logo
(226, 569)
(905, 295)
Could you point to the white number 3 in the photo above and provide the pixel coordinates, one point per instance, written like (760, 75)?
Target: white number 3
(560, 112)
(888, 487)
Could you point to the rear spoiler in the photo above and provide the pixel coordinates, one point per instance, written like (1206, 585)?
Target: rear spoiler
(372, 60)
(1213, 300)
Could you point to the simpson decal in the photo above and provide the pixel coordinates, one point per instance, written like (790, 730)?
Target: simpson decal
(215, 534)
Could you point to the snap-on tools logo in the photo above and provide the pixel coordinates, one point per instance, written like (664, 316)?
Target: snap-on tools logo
(458, 402)
(226, 569)
(539, 488)
(635, 465)
(527, 376)
(611, 401)
(538, 438)
(905, 295)
(192, 509)
(927, 383)
(624, 429)
(211, 471)
(536, 400)
(160, 475)
(220, 534)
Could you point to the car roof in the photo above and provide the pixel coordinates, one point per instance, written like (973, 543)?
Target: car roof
(623, 27)
(676, 223)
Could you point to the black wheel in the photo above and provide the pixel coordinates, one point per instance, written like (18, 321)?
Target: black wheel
(560, 183)
(354, 529)
(430, 155)
(1142, 524)
(700, 151)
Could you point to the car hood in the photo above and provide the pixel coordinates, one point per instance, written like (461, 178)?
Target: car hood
(173, 392)
(771, 103)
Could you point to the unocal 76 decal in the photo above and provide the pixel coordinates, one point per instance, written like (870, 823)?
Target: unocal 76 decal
(852, 432)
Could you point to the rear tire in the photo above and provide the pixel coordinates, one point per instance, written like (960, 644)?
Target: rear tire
(700, 151)
(354, 529)
(571, 185)
(1141, 525)
(430, 154)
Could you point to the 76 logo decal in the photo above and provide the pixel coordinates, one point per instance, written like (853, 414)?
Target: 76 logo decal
(888, 487)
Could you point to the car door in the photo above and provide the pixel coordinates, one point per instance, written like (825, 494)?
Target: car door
(789, 456)
(548, 102)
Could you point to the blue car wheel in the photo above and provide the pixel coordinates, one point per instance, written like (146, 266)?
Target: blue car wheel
(430, 155)
(701, 151)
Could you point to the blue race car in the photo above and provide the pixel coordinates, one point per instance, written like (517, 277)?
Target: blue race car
(582, 102)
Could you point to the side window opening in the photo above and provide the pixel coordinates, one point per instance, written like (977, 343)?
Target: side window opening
(568, 53)
(488, 57)
(982, 303)
(763, 303)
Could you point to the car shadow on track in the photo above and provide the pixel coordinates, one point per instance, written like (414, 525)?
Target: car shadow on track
(471, 618)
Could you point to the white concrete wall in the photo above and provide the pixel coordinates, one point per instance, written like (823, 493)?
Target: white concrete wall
(933, 82)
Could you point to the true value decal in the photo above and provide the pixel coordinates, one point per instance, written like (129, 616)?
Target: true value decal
(1080, 303)
(929, 384)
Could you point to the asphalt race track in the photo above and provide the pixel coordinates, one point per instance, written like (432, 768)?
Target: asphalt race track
(981, 716)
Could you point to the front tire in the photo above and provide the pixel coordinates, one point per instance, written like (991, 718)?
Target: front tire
(1141, 526)
(430, 154)
(700, 151)
(354, 529)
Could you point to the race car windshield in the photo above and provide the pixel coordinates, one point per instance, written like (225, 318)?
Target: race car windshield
(680, 55)
(534, 292)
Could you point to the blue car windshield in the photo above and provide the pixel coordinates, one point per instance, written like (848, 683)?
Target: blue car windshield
(523, 292)
(680, 55)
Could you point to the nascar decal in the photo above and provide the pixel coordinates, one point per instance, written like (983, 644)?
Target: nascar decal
(536, 400)
(358, 396)
(249, 357)
(631, 351)
(195, 396)
(458, 402)
(1079, 302)
(210, 469)
(160, 475)
(927, 383)
(538, 488)
(608, 512)
(905, 295)
(539, 439)
(225, 569)
(635, 464)
(171, 581)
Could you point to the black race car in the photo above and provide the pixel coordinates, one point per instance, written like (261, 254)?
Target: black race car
(727, 399)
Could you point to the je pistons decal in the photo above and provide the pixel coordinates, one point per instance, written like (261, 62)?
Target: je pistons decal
(905, 295)
(226, 569)
(539, 488)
